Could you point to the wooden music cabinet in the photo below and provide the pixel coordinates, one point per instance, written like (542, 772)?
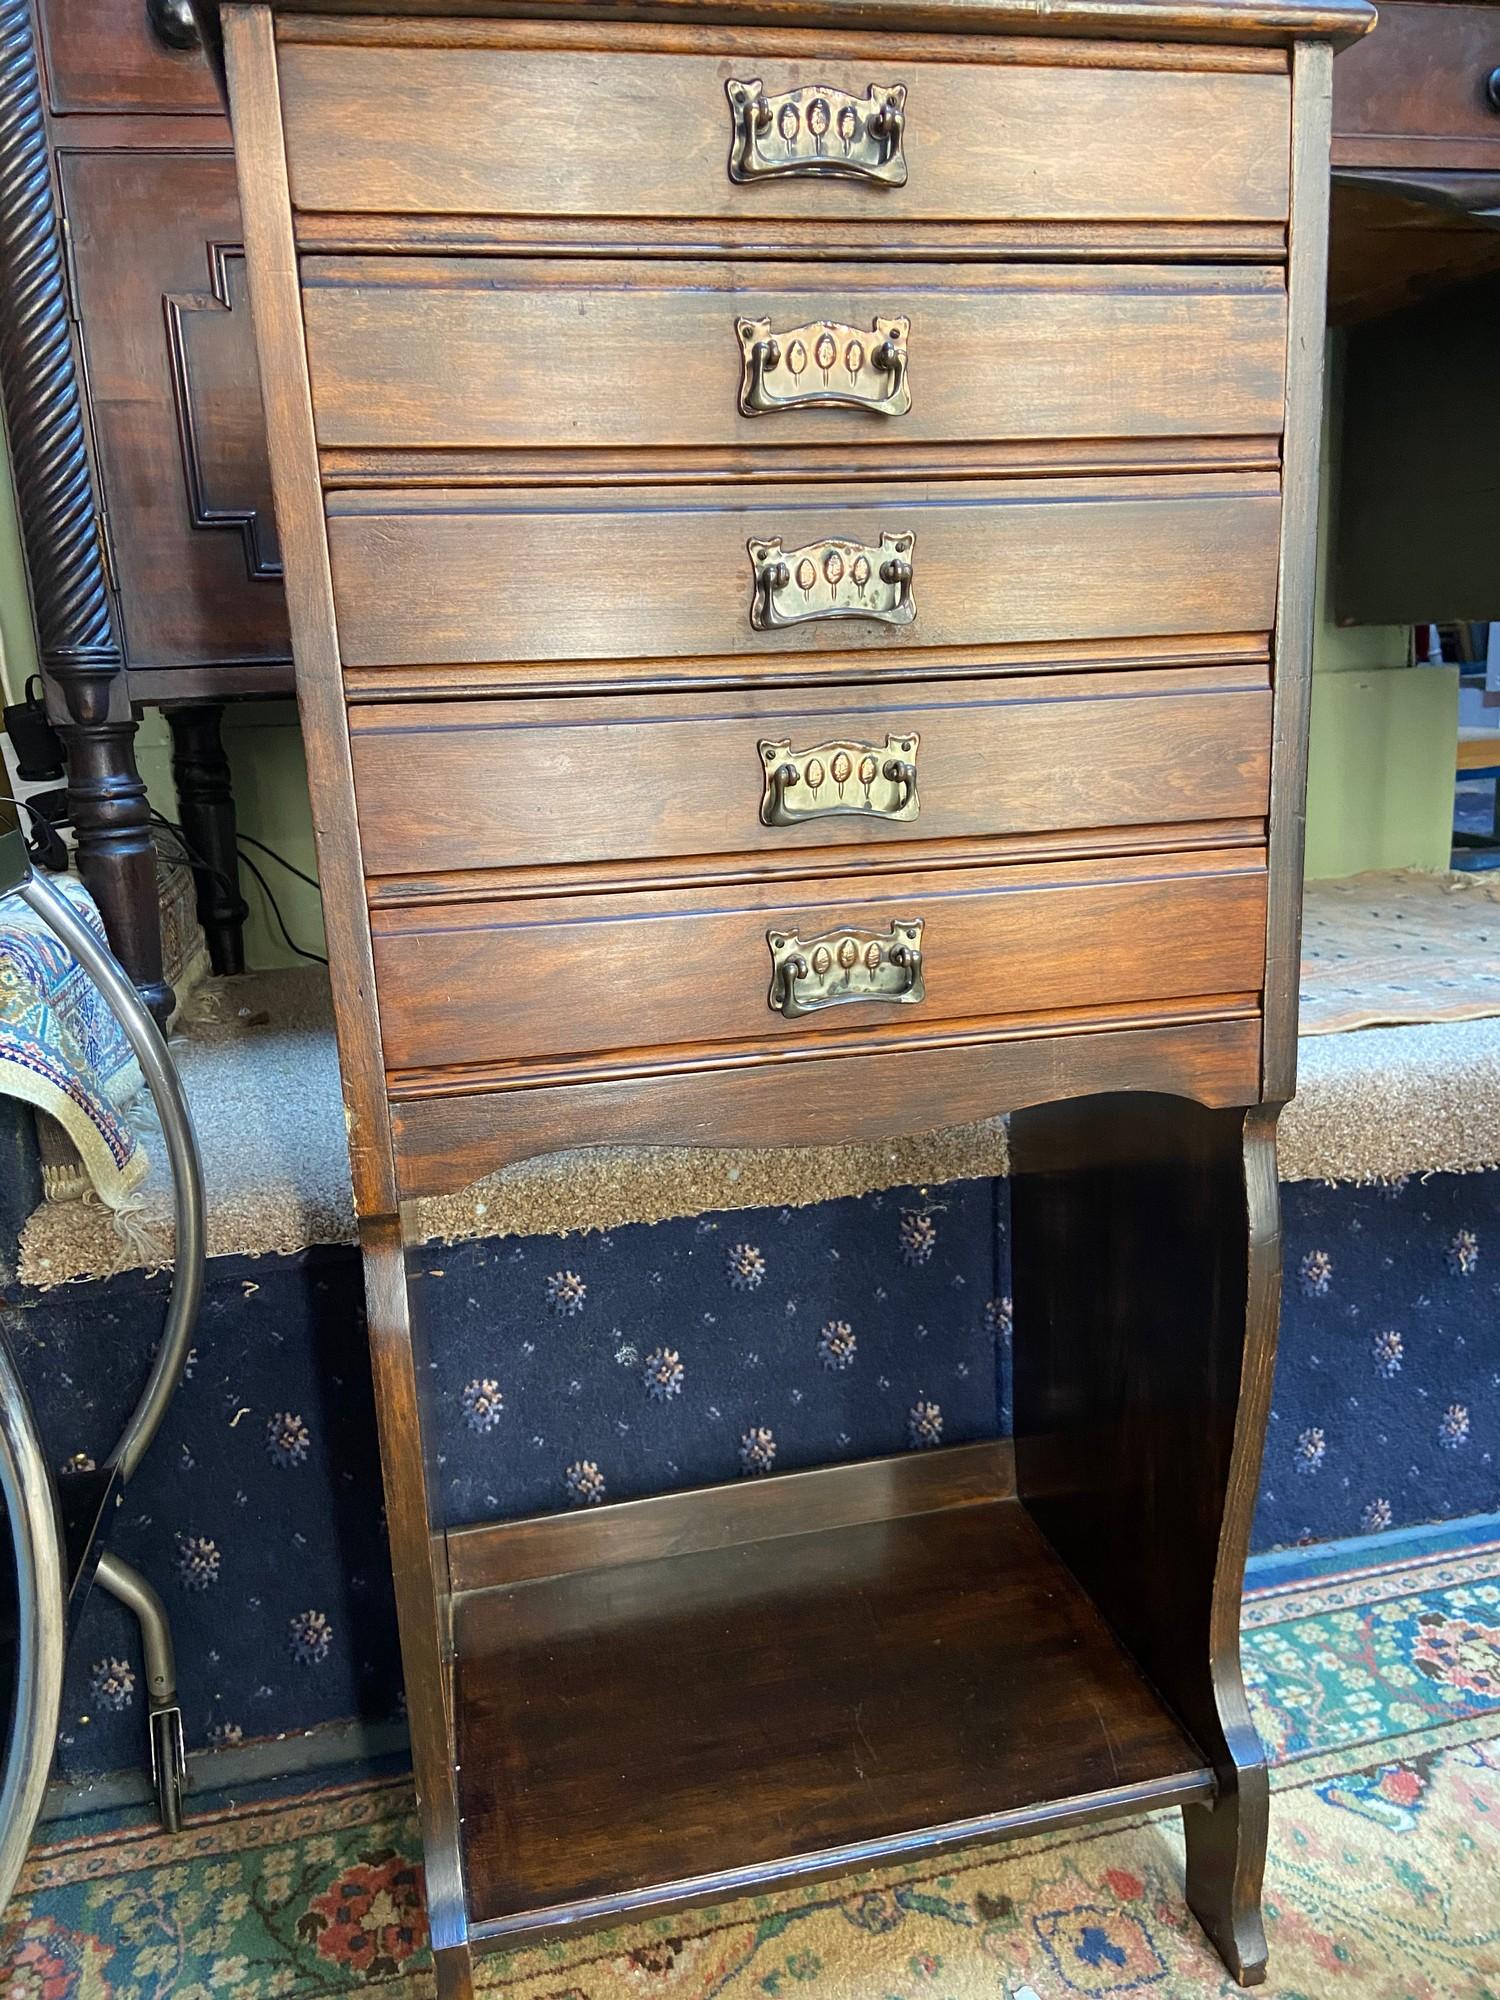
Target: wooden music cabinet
(798, 522)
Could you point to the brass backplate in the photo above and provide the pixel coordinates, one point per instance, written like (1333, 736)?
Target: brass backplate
(831, 579)
(824, 364)
(817, 131)
(840, 967)
(834, 778)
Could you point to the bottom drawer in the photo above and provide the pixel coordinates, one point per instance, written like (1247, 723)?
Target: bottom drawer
(605, 979)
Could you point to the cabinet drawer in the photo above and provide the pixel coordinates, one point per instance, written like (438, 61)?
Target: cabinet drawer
(1416, 91)
(507, 126)
(508, 784)
(665, 573)
(537, 355)
(522, 983)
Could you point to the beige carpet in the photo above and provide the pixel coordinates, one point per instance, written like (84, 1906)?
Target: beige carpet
(1382, 949)
(259, 1066)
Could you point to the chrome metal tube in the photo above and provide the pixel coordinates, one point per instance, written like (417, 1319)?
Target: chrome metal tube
(41, 1623)
(163, 1082)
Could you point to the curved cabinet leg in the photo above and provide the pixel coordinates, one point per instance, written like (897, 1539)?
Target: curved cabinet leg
(1226, 1859)
(455, 1973)
(1146, 1242)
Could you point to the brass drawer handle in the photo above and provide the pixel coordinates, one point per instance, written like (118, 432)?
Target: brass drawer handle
(824, 365)
(834, 778)
(817, 131)
(832, 579)
(845, 965)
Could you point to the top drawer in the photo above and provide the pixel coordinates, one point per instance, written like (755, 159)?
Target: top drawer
(498, 123)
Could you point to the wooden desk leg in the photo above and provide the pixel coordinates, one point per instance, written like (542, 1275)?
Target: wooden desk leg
(1146, 1246)
(77, 643)
(205, 799)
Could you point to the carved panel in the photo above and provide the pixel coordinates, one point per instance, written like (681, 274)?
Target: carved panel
(228, 480)
(175, 399)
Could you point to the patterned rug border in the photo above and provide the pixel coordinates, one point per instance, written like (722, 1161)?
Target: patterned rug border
(1377, 1585)
(229, 1829)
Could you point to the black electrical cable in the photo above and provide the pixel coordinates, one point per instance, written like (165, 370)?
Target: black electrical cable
(196, 860)
(248, 839)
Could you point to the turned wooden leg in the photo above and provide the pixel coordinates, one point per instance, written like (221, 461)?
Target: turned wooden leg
(112, 818)
(205, 799)
(1146, 1243)
(77, 643)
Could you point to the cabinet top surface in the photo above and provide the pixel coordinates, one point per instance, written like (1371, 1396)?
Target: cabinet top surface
(1253, 21)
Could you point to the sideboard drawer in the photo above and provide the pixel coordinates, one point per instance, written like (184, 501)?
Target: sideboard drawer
(662, 573)
(525, 982)
(566, 354)
(496, 127)
(522, 784)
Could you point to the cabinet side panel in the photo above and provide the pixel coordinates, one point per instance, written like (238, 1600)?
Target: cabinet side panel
(276, 308)
(1308, 282)
(418, 1553)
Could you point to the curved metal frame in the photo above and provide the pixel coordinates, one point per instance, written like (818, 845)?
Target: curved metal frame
(25, 1481)
(165, 1085)
(41, 1619)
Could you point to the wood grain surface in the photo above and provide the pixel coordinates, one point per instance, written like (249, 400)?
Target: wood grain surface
(495, 982)
(577, 356)
(528, 131)
(447, 1141)
(995, 1691)
(662, 573)
(519, 784)
(1414, 95)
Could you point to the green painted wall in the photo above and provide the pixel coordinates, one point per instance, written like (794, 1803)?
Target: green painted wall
(1381, 753)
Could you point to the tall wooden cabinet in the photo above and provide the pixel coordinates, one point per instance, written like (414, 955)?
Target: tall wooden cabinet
(798, 526)
(136, 433)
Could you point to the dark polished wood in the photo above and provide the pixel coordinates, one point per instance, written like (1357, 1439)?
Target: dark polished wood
(502, 1554)
(444, 1141)
(515, 494)
(1145, 1278)
(120, 139)
(178, 429)
(62, 526)
(414, 574)
(1080, 136)
(205, 799)
(948, 1681)
(999, 353)
(999, 944)
(1417, 93)
(519, 785)
(1416, 152)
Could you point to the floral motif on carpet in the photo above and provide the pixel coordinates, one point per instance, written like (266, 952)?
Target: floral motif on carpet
(1380, 1695)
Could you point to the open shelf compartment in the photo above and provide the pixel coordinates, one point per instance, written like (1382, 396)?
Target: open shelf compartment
(712, 1693)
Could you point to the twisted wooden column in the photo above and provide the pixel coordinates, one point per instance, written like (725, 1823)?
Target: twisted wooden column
(80, 651)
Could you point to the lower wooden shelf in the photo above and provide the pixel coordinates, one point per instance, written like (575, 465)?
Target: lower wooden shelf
(642, 1734)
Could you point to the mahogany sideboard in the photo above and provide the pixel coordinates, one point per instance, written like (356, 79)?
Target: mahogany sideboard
(824, 497)
(136, 434)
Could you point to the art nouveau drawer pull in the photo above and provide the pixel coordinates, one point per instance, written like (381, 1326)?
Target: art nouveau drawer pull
(843, 966)
(832, 579)
(824, 365)
(817, 131)
(833, 778)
